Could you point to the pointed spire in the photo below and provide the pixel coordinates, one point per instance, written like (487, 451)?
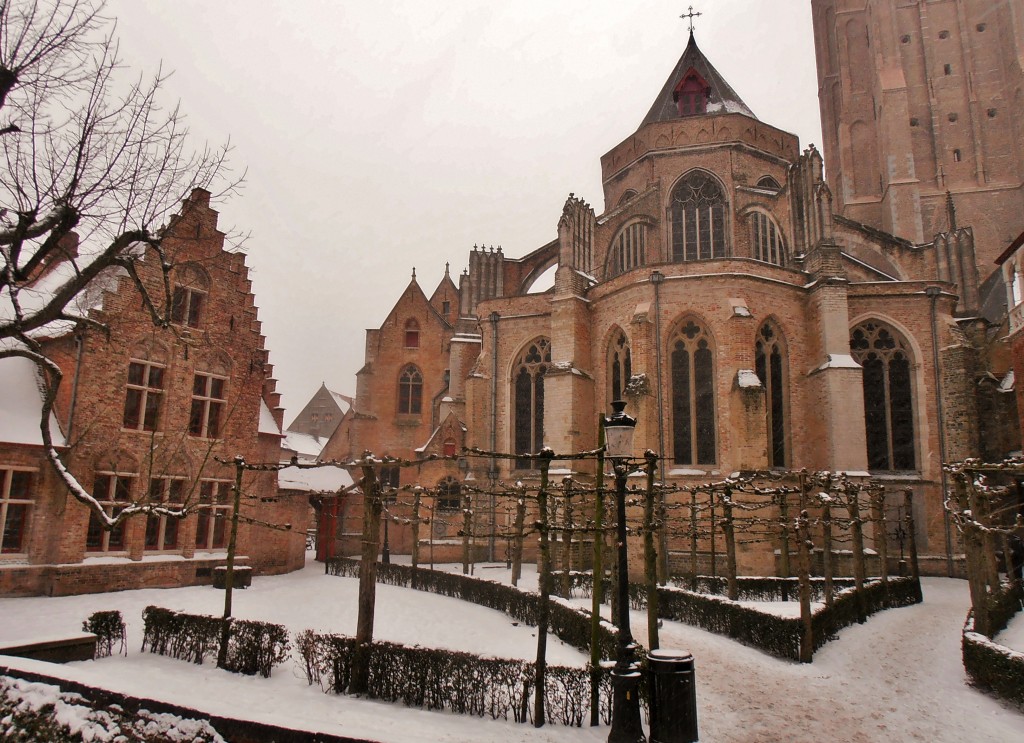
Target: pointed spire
(414, 273)
(951, 211)
(447, 267)
(694, 66)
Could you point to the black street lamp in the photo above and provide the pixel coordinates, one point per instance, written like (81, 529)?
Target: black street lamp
(626, 726)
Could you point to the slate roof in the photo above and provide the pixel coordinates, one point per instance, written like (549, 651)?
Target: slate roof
(722, 99)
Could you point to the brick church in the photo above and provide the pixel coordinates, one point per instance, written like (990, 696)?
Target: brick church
(755, 309)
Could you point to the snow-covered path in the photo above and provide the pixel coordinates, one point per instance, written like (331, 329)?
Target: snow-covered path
(898, 677)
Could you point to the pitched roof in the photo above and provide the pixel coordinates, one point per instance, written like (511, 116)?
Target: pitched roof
(722, 99)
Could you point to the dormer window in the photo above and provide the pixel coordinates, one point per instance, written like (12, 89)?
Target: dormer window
(691, 95)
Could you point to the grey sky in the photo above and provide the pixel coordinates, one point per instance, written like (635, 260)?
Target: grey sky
(379, 136)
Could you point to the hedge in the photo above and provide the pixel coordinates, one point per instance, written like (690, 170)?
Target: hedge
(108, 626)
(253, 647)
(458, 682)
(991, 666)
(566, 622)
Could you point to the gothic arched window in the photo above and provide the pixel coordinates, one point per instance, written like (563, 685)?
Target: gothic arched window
(449, 495)
(410, 391)
(766, 239)
(620, 366)
(528, 399)
(693, 396)
(698, 218)
(629, 250)
(888, 395)
(770, 364)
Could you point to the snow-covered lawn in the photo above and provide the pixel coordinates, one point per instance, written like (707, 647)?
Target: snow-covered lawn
(1013, 636)
(898, 677)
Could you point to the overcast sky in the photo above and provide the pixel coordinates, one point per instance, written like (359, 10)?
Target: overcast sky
(386, 135)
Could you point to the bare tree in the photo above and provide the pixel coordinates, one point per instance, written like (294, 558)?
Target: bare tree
(88, 152)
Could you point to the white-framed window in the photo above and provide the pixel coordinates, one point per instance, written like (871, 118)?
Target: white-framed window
(206, 418)
(15, 509)
(162, 531)
(629, 250)
(143, 395)
(188, 300)
(113, 490)
(212, 514)
(700, 221)
(766, 240)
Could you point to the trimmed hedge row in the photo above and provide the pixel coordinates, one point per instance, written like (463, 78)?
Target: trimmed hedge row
(760, 588)
(459, 682)
(108, 626)
(569, 624)
(253, 647)
(991, 666)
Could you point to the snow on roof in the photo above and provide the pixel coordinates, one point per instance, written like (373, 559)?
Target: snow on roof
(20, 404)
(267, 422)
(343, 401)
(303, 444)
(33, 298)
(328, 478)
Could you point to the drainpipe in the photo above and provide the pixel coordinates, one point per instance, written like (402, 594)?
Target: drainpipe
(933, 292)
(492, 471)
(657, 277)
(79, 343)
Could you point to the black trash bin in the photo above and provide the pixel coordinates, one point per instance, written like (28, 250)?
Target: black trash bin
(673, 696)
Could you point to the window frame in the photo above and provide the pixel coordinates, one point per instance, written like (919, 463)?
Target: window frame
(527, 381)
(695, 412)
(767, 241)
(204, 404)
(411, 334)
(23, 505)
(449, 491)
(619, 365)
(703, 232)
(187, 305)
(159, 526)
(768, 346)
(410, 391)
(117, 494)
(214, 506)
(144, 392)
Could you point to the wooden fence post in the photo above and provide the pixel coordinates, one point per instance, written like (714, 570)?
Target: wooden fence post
(877, 495)
(417, 495)
(693, 540)
(728, 529)
(784, 542)
(857, 534)
(826, 548)
(804, 555)
(517, 544)
(544, 580)
(650, 553)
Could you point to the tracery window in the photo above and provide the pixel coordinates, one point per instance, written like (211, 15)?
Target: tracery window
(528, 399)
(15, 507)
(698, 218)
(620, 366)
(449, 495)
(769, 183)
(412, 333)
(693, 396)
(410, 391)
(770, 365)
(629, 250)
(767, 243)
(888, 395)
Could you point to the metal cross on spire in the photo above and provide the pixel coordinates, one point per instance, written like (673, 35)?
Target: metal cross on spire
(690, 16)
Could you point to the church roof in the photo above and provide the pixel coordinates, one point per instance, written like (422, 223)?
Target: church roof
(722, 99)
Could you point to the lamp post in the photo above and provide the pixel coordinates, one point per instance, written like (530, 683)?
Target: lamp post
(626, 726)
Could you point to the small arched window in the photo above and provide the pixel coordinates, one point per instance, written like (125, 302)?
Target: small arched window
(699, 221)
(888, 395)
(620, 366)
(693, 396)
(769, 184)
(629, 250)
(410, 391)
(770, 364)
(449, 495)
(528, 399)
(188, 301)
(412, 333)
(767, 243)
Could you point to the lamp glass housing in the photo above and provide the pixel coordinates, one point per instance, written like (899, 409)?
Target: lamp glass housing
(618, 432)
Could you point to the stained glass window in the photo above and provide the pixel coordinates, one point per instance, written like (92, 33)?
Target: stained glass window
(698, 218)
(693, 396)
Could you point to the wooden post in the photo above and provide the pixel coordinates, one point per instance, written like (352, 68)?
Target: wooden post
(877, 495)
(714, 544)
(650, 553)
(567, 533)
(517, 543)
(229, 572)
(693, 540)
(857, 534)
(467, 528)
(417, 495)
(784, 542)
(908, 519)
(728, 528)
(805, 546)
(373, 508)
(544, 581)
(826, 549)
(597, 594)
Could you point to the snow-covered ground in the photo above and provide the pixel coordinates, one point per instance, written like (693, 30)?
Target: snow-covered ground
(1013, 636)
(898, 677)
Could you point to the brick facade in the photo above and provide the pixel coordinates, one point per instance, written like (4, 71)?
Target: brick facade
(212, 398)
